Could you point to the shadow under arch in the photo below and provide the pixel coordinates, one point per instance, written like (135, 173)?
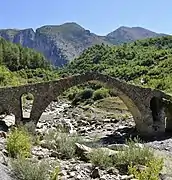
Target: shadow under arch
(56, 88)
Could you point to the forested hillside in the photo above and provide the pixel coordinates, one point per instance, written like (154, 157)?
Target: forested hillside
(148, 61)
(20, 65)
(144, 62)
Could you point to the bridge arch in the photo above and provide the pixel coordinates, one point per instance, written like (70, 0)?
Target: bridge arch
(137, 99)
(56, 88)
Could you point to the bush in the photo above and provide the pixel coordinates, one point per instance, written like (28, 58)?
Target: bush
(24, 169)
(100, 94)
(132, 154)
(86, 94)
(150, 172)
(100, 158)
(83, 95)
(62, 143)
(19, 143)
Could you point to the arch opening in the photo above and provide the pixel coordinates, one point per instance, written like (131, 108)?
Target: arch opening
(156, 108)
(119, 105)
(122, 89)
(26, 102)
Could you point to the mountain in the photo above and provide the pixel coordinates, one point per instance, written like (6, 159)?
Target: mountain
(129, 34)
(62, 43)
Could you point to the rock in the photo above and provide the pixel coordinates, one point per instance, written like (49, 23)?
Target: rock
(117, 146)
(82, 151)
(113, 170)
(3, 134)
(54, 154)
(95, 173)
(125, 177)
(9, 120)
(139, 145)
(3, 159)
(108, 151)
(165, 177)
(72, 174)
(141, 167)
(78, 177)
(5, 173)
(103, 178)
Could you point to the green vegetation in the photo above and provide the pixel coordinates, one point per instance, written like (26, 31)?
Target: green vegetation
(149, 60)
(133, 154)
(62, 142)
(100, 157)
(19, 143)
(128, 159)
(15, 57)
(100, 94)
(20, 65)
(87, 93)
(25, 169)
(150, 172)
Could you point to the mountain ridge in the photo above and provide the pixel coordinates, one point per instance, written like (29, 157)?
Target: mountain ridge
(62, 43)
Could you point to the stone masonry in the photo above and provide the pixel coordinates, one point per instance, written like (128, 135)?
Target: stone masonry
(151, 109)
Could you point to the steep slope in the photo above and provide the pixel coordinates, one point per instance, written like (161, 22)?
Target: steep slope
(59, 43)
(144, 61)
(127, 34)
(66, 41)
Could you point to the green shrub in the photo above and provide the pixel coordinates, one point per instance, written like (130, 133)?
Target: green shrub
(25, 169)
(62, 143)
(150, 172)
(71, 93)
(100, 158)
(82, 96)
(100, 94)
(121, 160)
(86, 93)
(133, 154)
(19, 143)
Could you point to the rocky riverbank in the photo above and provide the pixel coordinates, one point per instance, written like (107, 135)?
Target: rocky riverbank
(101, 127)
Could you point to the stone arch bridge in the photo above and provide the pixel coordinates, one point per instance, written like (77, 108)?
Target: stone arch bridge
(151, 109)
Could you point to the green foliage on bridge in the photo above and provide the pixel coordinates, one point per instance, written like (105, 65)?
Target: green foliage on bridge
(149, 60)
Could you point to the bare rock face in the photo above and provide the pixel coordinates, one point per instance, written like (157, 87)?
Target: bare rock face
(59, 44)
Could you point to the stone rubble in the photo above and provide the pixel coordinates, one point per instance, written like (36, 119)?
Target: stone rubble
(111, 132)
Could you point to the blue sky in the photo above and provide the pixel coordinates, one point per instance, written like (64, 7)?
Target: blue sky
(99, 16)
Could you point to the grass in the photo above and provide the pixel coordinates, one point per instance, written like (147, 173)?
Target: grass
(111, 104)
